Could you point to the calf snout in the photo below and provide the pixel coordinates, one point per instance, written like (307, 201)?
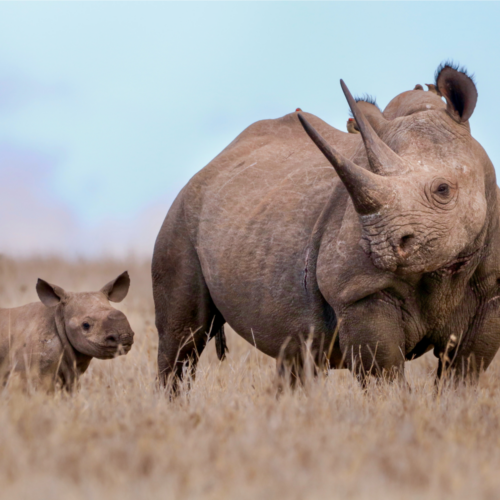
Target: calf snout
(118, 330)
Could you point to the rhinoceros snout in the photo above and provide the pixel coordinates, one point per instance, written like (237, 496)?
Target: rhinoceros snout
(119, 333)
(390, 251)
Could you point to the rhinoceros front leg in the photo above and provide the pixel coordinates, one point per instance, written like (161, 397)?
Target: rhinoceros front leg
(466, 357)
(372, 337)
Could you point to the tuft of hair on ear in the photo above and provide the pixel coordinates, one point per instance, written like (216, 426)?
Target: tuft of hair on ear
(370, 99)
(458, 87)
(365, 98)
(455, 66)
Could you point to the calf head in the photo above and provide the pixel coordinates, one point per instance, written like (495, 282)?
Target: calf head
(92, 326)
(420, 190)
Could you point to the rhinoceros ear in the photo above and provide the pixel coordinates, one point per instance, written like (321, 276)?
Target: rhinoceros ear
(117, 289)
(50, 295)
(368, 106)
(459, 90)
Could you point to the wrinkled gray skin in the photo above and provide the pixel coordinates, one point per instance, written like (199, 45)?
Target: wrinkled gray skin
(397, 244)
(56, 338)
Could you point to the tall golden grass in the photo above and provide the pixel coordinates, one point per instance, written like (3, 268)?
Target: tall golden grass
(229, 437)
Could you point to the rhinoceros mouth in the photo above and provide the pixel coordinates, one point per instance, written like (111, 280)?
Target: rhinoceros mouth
(453, 267)
(118, 350)
(420, 260)
(457, 265)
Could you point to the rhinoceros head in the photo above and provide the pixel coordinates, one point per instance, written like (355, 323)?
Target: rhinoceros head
(92, 326)
(420, 189)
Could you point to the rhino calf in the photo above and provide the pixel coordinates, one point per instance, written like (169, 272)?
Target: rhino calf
(57, 337)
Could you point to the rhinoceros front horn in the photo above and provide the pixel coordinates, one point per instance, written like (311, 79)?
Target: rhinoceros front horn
(383, 160)
(368, 191)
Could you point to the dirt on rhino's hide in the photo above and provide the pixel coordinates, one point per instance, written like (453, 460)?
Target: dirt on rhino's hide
(396, 247)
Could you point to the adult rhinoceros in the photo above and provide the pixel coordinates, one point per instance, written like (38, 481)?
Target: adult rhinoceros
(397, 244)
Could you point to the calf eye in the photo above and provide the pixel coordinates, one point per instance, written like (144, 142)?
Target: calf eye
(443, 189)
(86, 326)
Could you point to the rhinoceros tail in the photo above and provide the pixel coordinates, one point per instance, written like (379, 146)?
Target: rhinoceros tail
(220, 343)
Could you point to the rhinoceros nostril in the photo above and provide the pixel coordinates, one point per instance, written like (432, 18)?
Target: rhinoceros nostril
(405, 245)
(111, 338)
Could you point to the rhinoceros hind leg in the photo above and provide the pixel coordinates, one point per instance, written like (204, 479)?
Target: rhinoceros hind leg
(185, 314)
(184, 328)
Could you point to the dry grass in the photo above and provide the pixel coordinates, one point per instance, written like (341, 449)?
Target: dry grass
(117, 437)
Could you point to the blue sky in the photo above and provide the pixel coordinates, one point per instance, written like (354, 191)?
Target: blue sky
(107, 109)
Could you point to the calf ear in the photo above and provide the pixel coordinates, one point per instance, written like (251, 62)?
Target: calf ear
(459, 90)
(117, 289)
(50, 295)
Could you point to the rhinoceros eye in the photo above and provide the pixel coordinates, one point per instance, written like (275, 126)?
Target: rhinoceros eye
(442, 193)
(86, 326)
(443, 189)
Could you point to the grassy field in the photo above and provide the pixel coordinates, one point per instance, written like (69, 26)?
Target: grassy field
(230, 438)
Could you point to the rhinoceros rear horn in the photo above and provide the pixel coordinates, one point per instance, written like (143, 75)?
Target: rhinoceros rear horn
(368, 191)
(383, 160)
(459, 90)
